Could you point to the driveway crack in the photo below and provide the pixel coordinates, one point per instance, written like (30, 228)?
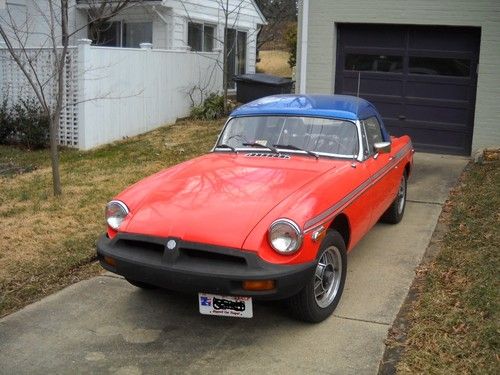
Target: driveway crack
(425, 202)
(362, 320)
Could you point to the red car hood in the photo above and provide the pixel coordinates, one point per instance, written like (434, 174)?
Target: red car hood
(217, 198)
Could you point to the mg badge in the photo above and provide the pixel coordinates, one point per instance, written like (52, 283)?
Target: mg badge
(171, 244)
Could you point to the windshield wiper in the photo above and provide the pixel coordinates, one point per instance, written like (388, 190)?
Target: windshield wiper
(255, 144)
(292, 147)
(223, 145)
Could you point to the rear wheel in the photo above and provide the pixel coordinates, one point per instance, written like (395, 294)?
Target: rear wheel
(396, 210)
(140, 284)
(322, 293)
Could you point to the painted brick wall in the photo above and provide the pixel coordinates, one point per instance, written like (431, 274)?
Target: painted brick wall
(324, 14)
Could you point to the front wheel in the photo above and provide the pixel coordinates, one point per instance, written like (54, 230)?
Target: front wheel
(322, 293)
(396, 210)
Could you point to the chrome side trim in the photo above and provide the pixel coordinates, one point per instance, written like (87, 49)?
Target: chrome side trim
(344, 202)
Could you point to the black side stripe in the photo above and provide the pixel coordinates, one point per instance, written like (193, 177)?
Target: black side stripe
(356, 192)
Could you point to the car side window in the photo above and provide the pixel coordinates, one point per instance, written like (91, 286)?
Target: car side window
(373, 133)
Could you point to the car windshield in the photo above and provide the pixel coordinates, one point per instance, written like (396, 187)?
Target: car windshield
(313, 134)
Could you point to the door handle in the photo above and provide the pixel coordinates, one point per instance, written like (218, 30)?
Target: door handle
(401, 117)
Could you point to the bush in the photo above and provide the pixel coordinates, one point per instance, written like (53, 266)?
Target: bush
(211, 109)
(24, 124)
(6, 123)
(291, 43)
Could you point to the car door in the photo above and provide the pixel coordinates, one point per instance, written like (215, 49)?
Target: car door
(382, 180)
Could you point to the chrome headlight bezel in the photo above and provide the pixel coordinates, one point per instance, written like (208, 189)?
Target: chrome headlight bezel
(283, 226)
(116, 211)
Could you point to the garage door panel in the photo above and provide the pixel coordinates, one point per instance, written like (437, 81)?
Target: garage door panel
(437, 114)
(438, 90)
(374, 85)
(443, 38)
(390, 108)
(421, 78)
(361, 35)
(424, 139)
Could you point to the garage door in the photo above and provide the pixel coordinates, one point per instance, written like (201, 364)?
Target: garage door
(421, 78)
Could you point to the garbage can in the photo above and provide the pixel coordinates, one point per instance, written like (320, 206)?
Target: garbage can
(253, 86)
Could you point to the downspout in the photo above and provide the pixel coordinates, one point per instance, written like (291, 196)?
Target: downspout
(303, 45)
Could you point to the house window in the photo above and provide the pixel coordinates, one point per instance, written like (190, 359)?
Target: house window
(201, 37)
(237, 55)
(122, 34)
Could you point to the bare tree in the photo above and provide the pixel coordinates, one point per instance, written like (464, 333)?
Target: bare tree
(100, 12)
(50, 91)
(279, 15)
(230, 15)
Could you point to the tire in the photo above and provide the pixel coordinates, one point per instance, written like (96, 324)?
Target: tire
(396, 210)
(140, 284)
(314, 307)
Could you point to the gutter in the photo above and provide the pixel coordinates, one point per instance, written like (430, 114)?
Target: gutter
(303, 44)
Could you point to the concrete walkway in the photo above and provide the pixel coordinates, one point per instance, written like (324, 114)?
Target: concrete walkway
(104, 325)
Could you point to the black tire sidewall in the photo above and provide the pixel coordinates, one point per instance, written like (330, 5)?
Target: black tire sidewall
(316, 313)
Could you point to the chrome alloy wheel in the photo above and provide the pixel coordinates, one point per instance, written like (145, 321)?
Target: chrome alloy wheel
(327, 276)
(401, 195)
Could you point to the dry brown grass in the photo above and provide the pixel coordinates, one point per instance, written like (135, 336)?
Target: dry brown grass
(455, 319)
(47, 243)
(275, 63)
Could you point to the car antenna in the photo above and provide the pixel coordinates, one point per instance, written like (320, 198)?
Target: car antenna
(353, 164)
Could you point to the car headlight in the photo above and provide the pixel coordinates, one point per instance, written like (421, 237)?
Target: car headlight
(116, 212)
(285, 236)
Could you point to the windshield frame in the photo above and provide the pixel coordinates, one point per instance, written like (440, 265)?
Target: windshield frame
(359, 157)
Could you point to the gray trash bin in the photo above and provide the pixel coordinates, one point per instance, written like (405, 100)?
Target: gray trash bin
(254, 86)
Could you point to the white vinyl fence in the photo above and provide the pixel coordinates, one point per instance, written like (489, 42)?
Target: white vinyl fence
(112, 93)
(15, 86)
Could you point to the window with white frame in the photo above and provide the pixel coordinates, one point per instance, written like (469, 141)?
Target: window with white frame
(121, 34)
(201, 37)
(236, 55)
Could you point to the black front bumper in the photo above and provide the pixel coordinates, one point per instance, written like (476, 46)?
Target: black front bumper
(194, 267)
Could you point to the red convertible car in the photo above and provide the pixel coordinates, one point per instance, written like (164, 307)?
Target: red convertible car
(292, 184)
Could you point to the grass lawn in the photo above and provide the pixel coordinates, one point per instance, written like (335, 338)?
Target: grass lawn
(47, 243)
(275, 63)
(454, 324)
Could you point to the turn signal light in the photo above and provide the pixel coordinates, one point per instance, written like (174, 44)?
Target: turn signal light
(110, 261)
(259, 284)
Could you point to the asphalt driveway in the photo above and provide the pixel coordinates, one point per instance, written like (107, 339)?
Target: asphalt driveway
(104, 325)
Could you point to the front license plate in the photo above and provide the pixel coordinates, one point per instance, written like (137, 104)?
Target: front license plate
(236, 307)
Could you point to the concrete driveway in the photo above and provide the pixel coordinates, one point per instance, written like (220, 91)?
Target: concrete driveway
(104, 325)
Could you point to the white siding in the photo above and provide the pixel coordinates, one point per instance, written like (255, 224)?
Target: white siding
(244, 17)
(324, 14)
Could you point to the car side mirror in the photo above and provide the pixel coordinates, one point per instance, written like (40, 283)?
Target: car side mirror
(381, 148)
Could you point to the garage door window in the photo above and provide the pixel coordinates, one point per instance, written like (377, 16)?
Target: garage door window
(374, 63)
(440, 66)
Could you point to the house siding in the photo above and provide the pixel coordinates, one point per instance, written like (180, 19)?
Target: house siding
(246, 19)
(325, 14)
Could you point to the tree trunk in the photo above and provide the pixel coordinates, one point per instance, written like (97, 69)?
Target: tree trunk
(224, 62)
(54, 154)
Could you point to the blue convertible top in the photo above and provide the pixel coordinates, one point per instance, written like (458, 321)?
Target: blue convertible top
(342, 107)
(338, 106)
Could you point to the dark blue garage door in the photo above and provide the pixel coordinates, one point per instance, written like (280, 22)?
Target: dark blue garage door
(421, 78)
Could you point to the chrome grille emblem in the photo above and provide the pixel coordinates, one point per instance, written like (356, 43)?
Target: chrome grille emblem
(171, 244)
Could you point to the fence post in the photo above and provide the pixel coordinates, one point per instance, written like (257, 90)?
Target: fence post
(82, 68)
(147, 82)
